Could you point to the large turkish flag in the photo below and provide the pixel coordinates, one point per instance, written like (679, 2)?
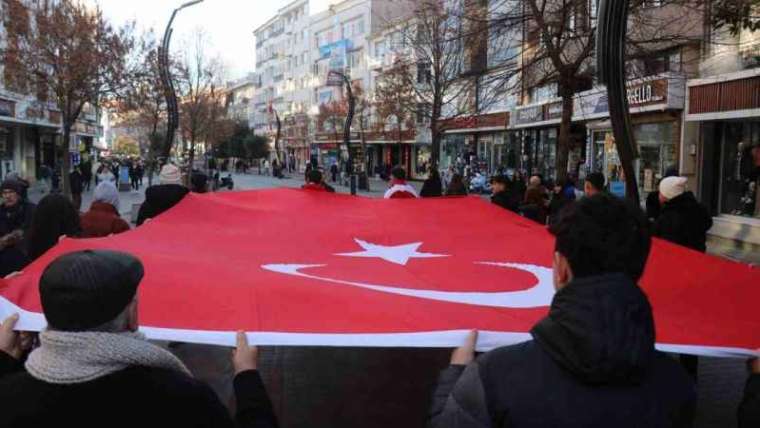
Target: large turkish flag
(294, 267)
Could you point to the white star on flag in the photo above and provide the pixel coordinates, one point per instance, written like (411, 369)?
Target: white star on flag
(398, 254)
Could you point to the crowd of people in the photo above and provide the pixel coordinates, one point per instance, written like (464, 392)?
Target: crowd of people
(91, 366)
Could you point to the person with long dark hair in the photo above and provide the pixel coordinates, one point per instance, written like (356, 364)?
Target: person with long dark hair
(54, 217)
(432, 186)
(456, 186)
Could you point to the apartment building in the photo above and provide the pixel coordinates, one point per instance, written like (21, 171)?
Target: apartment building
(31, 131)
(282, 79)
(239, 99)
(342, 41)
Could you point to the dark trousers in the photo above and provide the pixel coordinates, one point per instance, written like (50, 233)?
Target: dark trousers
(76, 200)
(135, 182)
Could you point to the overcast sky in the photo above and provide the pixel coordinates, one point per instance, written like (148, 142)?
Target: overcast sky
(229, 24)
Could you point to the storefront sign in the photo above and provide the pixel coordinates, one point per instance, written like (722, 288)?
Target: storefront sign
(646, 93)
(464, 122)
(642, 96)
(34, 113)
(553, 111)
(617, 188)
(528, 115)
(7, 108)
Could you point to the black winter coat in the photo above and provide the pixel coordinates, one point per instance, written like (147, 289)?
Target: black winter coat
(431, 188)
(749, 410)
(160, 198)
(504, 200)
(592, 363)
(684, 221)
(18, 217)
(133, 397)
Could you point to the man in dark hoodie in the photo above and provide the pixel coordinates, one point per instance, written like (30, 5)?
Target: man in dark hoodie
(592, 361)
(163, 196)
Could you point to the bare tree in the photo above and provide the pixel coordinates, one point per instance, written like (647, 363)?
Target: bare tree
(393, 96)
(201, 104)
(67, 52)
(331, 118)
(736, 14)
(559, 41)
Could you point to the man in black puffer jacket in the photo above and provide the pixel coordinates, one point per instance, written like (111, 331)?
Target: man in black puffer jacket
(592, 361)
(683, 220)
(162, 197)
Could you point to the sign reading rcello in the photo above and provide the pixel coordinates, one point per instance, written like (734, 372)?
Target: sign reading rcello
(652, 94)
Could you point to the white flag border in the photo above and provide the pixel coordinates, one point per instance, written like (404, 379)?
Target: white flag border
(487, 340)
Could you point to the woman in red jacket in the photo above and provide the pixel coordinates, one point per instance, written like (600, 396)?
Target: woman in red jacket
(103, 217)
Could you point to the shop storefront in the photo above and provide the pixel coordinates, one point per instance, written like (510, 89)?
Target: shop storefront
(536, 127)
(388, 149)
(656, 106)
(475, 141)
(726, 112)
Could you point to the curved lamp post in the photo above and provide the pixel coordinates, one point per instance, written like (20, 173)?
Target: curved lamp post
(610, 56)
(166, 79)
(347, 127)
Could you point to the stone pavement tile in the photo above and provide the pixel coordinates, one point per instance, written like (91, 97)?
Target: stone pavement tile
(720, 388)
(323, 387)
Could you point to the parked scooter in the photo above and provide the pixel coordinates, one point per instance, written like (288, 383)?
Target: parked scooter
(227, 182)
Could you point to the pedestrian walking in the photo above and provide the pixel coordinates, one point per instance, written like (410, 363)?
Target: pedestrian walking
(432, 187)
(577, 371)
(316, 182)
(501, 197)
(140, 170)
(594, 184)
(46, 176)
(334, 172)
(75, 184)
(456, 186)
(535, 203)
(103, 218)
(85, 169)
(133, 179)
(16, 214)
(653, 204)
(560, 198)
(166, 194)
(54, 217)
(682, 220)
(399, 188)
(93, 368)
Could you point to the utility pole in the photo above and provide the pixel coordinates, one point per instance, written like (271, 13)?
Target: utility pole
(610, 56)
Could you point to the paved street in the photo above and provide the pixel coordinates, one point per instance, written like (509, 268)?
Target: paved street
(390, 387)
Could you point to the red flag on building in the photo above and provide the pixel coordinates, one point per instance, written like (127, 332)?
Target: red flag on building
(300, 268)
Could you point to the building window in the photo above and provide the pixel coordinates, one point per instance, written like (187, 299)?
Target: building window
(543, 93)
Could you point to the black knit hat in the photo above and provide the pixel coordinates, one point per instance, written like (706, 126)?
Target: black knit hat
(86, 289)
(15, 185)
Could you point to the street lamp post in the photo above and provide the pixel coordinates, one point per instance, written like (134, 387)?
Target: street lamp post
(166, 78)
(347, 128)
(610, 54)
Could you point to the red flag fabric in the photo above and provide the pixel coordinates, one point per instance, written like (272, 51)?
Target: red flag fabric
(293, 267)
